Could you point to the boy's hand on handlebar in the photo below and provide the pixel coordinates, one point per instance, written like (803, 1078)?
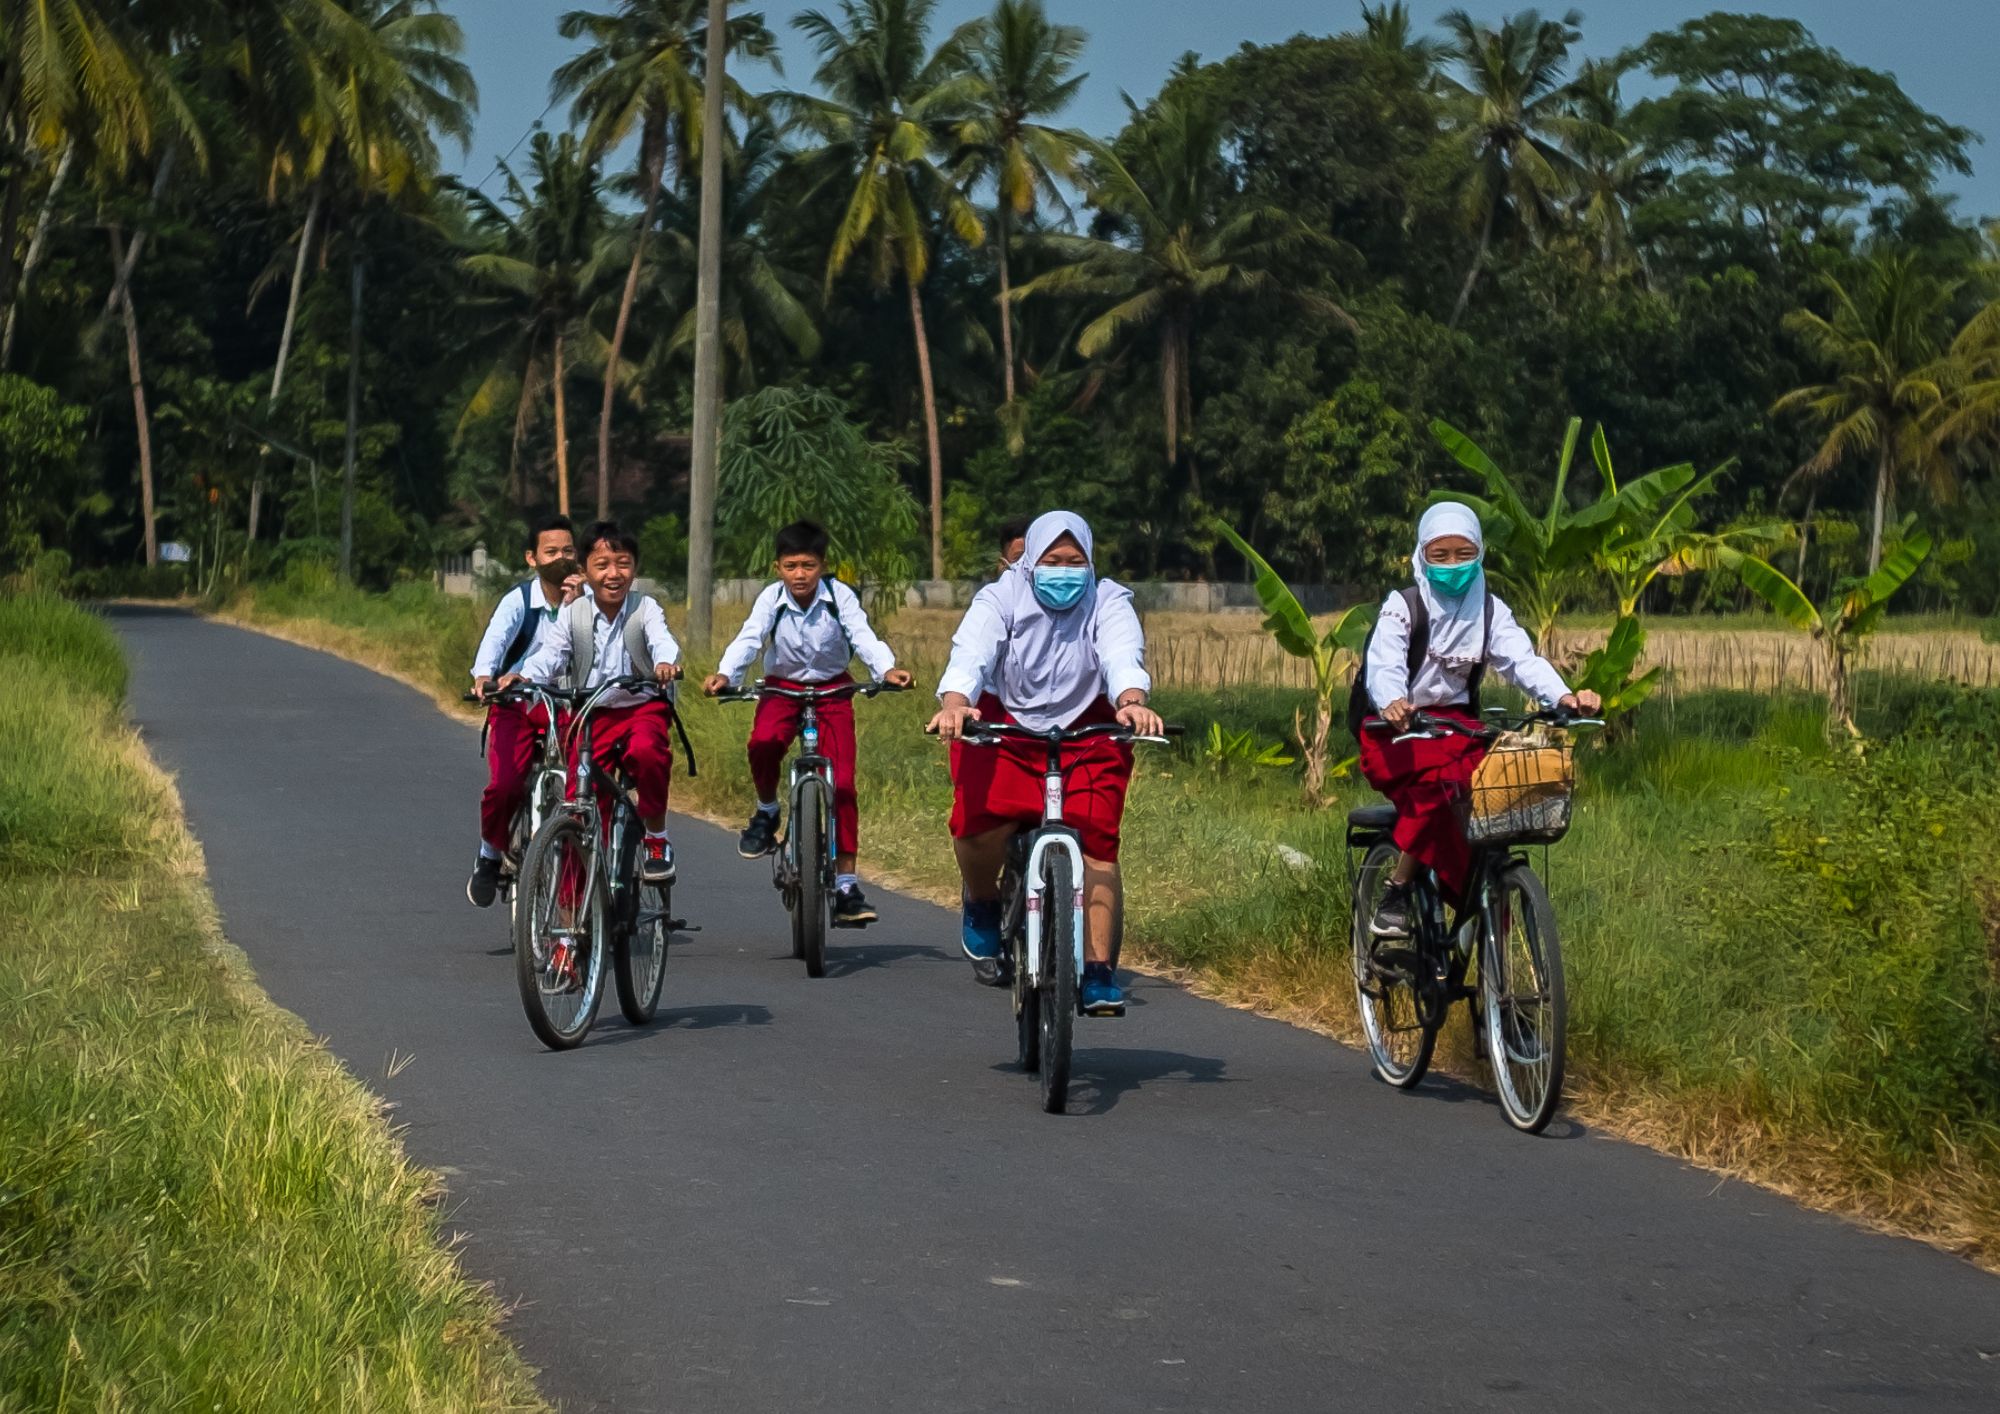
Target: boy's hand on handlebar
(664, 673)
(714, 684)
(482, 685)
(1399, 714)
(950, 722)
(1143, 720)
(1585, 703)
(899, 677)
(507, 681)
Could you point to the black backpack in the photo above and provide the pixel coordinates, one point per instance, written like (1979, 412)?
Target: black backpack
(524, 636)
(1359, 708)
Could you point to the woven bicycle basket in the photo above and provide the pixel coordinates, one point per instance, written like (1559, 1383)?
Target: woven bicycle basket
(1520, 793)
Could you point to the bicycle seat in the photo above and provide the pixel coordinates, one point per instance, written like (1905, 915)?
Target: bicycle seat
(1373, 817)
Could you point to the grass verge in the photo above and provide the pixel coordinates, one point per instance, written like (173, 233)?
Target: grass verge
(1783, 965)
(198, 1207)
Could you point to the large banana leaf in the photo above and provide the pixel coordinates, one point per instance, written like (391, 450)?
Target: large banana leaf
(1285, 617)
(1786, 599)
(1500, 491)
(1608, 670)
(1874, 592)
(1556, 502)
(1350, 630)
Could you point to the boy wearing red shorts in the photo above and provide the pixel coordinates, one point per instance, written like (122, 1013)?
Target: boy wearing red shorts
(807, 626)
(523, 616)
(1057, 647)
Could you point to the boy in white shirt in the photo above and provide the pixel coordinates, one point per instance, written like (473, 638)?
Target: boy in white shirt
(513, 732)
(610, 633)
(813, 625)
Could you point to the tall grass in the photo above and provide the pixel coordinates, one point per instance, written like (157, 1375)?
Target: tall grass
(1781, 963)
(198, 1208)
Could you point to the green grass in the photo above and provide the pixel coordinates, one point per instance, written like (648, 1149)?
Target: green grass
(198, 1208)
(1783, 963)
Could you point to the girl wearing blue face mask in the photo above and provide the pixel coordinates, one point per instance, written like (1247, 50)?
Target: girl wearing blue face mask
(1431, 646)
(1055, 646)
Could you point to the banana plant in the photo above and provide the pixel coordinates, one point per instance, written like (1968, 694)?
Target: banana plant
(1335, 655)
(1609, 671)
(1842, 625)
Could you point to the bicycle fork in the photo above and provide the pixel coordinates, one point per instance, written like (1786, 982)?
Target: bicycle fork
(1055, 836)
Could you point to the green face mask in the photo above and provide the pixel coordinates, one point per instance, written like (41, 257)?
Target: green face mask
(1452, 581)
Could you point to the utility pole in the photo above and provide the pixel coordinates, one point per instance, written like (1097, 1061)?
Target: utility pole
(707, 341)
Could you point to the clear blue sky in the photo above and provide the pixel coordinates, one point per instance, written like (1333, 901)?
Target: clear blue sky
(1943, 52)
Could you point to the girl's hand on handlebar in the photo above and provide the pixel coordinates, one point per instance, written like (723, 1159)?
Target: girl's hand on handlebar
(714, 684)
(1143, 720)
(1585, 703)
(1399, 714)
(899, 677)
(664, 673)
(951, 719)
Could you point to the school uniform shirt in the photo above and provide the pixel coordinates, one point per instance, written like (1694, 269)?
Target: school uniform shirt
(1050, 677)
(550, 659)
(506, 622)
(1509, 652)
(810, 644)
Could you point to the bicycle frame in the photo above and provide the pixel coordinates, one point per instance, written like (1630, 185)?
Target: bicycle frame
(1053, 835)
(806, 764)
(586, 779)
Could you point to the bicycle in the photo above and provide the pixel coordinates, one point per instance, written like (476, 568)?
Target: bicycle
(1041, 909)
(1405, 988)
(808, 893)
(582, 897)
(546, 778)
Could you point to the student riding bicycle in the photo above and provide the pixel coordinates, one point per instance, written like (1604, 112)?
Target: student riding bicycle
(1431, 645)
(1057, 647)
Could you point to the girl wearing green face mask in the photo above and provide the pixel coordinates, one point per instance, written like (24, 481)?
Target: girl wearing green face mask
(1461, 629)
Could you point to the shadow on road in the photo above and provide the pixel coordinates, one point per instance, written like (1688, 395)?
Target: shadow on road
(1101, 1078)
(844, 961)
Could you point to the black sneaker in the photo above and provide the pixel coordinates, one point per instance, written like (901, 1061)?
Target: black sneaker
(484, 884)
(760, 836)
(851, 910)
(1392, 914)
(656, 861)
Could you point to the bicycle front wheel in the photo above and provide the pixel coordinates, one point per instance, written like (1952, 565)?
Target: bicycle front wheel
(1526, 1006)
(559, 933)
(1056, 996)
(809, 902)
(1385, 993)
(640, 959)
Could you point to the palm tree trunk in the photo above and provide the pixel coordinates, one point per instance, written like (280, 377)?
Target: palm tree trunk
(285, 341)
(1006, 304)
(353, 420)
(562, 436)
(10, 220)
(1882, 468)
(1478, 263)
(523, 410)
(135, 370)
(1805, 534)
(706, 461)
(1170, 388)
(656, 165)
(930, 428)
(37, 245)
(131, 261)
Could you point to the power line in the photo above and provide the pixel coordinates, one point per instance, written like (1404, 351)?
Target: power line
(502, 162)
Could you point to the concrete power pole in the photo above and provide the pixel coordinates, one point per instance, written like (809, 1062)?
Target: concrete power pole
(708, 341)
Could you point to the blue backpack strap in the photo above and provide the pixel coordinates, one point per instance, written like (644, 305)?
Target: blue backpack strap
(524, 636)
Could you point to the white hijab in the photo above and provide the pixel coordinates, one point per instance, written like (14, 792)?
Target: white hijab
(1458, 626)
(1049, 672)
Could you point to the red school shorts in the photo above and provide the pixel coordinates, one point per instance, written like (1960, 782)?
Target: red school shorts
(1426, 781)
(996, 786)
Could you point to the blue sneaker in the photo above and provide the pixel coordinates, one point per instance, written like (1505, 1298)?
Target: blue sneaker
(1101, 994)
(979, 935)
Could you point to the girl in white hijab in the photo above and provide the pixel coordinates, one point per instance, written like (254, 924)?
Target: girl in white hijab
(1058, 646)
(1469, 630)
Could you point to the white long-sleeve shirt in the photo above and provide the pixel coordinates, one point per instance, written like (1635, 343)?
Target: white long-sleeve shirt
(1509, 652)
(609, 658)
(1049, 686)
(810, 644)
(506, 622)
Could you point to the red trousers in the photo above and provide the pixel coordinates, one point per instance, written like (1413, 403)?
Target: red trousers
(1425, 781)
(1001, 785)
(513, 734)
(645, 734)
(772, 734)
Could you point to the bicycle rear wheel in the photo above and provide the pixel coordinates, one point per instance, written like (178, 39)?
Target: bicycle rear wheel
(640, 957)
(1527, 1008)
(809, 903)
(559, 934)
(1386, 995)
(1056, 996)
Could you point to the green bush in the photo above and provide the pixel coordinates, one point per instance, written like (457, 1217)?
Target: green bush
(68, 642)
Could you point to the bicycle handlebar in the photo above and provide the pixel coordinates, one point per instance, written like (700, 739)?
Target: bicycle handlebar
(761, 689)
(979, 733)
(1430, 727)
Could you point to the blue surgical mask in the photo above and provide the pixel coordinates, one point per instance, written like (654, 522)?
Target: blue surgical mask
(1061, 586)
(1452, 581)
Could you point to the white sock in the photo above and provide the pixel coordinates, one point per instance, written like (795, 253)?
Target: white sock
(660, 835)
(767, 807)
(842, 882)
(487, 851)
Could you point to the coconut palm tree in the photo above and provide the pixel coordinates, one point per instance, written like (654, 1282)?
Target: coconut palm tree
(890, 105)
(1024, 67)
(1614, 176)
(541, 264)
(1882, 348)
(1183, 239)
(642, 72)
(1391, 32)
(1510, 108)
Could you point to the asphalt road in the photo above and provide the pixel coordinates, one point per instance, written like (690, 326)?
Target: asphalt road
(840, 1195)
